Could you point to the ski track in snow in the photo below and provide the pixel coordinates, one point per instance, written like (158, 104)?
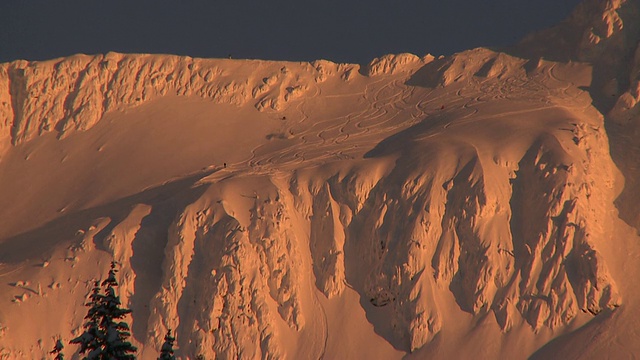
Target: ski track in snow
(313, 140)
(369, 111)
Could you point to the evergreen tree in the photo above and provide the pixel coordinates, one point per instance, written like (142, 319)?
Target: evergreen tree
(105, 336)
(92, 338)
(166, 353)
(117, 332)
(57, 350)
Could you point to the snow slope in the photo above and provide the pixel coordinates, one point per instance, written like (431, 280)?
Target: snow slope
(456, 207)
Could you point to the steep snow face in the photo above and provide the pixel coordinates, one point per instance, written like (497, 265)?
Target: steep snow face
(609, 38)
(516, 239)
(213, 100)
(607, 35)
(74, 93)
(443, 193)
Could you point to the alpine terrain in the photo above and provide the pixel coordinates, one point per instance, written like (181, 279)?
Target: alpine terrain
(478, 205)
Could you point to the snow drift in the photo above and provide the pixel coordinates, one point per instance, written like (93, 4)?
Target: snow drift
(455, 206)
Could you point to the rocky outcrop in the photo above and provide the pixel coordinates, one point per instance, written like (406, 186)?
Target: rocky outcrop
(603, 33)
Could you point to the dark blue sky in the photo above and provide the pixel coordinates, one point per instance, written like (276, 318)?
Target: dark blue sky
(338, 30)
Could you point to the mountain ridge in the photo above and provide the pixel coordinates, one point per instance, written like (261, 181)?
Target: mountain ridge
(433, 200)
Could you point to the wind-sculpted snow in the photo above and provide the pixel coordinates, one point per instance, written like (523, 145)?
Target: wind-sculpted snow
(516, 238)
(607, 35)
(218, 299)
(73, 94)
(428, 201)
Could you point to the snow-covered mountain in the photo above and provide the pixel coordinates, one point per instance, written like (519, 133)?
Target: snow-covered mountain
(477, 205)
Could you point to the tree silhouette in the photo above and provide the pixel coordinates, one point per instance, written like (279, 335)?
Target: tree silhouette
(105, 336)
(166, 353)
(92, 338)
